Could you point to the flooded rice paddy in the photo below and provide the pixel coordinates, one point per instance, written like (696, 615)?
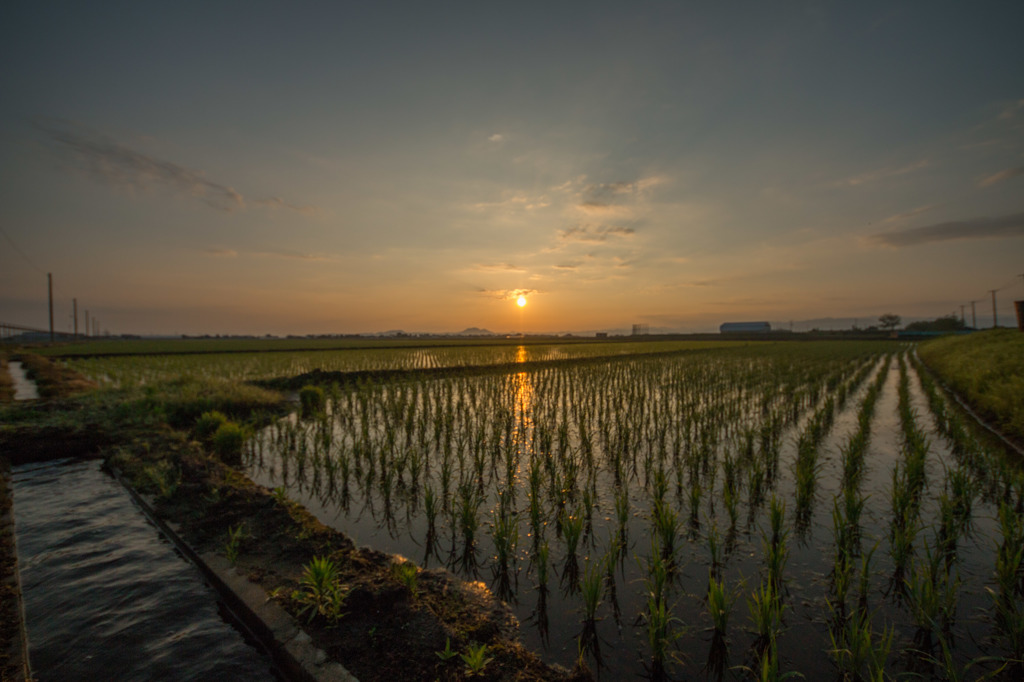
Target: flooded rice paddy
(820, 508)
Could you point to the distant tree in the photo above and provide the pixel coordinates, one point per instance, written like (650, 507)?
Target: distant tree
(948, 323)
(889, 321)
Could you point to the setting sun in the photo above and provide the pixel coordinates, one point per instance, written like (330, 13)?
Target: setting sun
(521, 301)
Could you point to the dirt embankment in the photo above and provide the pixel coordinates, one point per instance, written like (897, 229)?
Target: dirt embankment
(6, 384)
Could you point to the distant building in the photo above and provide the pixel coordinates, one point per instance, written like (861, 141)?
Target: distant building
(601, 335)
(641, 329)
(745, 328)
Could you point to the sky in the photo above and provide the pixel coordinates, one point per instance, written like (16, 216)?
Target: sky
(314, 168)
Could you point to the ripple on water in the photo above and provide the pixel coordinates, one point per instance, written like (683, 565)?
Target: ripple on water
(106, 596)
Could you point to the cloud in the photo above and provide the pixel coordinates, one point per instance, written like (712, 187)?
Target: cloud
(880, 174)
(595, 233)
(1002, 175)
(496, 137)
(111, 163)
(293, 255)
(1011, 111)
(278, 202)
(496, 267)
(605, 190)
(507, 294)
(514, 202)
(282, 254)
(906, 215)
(600, 208)
(975, 228)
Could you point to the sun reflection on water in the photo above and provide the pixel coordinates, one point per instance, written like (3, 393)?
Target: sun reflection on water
(522, 387)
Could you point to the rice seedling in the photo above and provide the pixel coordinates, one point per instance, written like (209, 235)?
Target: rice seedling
(430, 508)
(714, 544)
(468, 508)
(661, 626)
(540, 560)
(665, 526)
(447, 653)
(505, 533)
(766, 611)
(475, 659)
(774, 544)
(591, 587)
(720, 601)
(768, 665)
(320, 593)
(406, 573)
(572, 529)
(236, 534)
(932, 593)
(858, 651)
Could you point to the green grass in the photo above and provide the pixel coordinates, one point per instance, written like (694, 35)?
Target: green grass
(986, 369)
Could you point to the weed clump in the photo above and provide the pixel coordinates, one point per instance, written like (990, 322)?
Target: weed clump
(208, 423)
(228, 441)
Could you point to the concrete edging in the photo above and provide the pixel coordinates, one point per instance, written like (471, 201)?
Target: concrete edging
(291, 649)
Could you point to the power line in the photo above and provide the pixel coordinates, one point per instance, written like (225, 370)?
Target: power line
(20, 252)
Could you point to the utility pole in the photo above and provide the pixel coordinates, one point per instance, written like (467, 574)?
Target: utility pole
(87, 324)
(49, 286)
(74, 305)
(995, 320)
(974, 317)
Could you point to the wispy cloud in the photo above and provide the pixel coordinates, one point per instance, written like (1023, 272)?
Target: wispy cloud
(506, 294)
(107, 161)
(1011, 111)
(602, 209)
(1002, 175)
(604, 190)
(595, 233)
(278, 202)
(496, 137)
(881, 174)
(906, 215)
(282, 254)
(503, 268)
(975, 228)
(513, 202)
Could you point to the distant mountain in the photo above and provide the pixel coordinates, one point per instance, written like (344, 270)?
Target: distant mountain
(475, 331)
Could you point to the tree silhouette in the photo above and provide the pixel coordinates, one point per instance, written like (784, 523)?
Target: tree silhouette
(889, 321)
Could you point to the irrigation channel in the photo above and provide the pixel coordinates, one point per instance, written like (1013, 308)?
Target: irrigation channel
(821, 509)
(106, 597)
(24, 388)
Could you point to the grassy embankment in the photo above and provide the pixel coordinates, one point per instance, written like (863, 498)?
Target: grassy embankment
(375, 601)
(6, 385)
(986, 370)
